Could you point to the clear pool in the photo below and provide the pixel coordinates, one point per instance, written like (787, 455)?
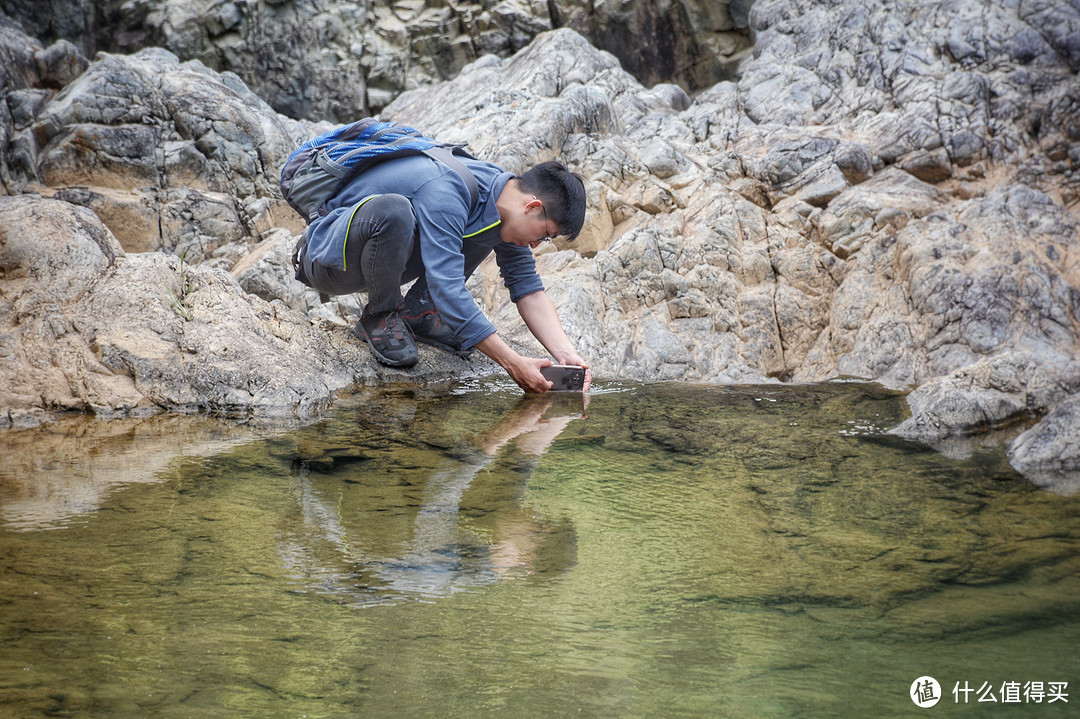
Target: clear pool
(667, 551)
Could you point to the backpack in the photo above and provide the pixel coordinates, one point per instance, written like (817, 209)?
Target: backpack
(318, 169)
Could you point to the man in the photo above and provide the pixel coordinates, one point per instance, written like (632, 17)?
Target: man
(410, 218)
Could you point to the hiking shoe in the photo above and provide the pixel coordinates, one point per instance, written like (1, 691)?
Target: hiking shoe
(390, 338)
(428, 327)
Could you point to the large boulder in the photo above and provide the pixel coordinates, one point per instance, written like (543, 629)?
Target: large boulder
(85, 326)
(990, 394)
(170, 155)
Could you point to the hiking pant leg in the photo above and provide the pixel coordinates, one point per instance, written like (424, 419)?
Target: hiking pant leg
(475, 253)
(419, 290)
(379, 243)
(386, 233)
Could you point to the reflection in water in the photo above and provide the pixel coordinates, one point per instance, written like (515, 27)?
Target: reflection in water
(446, 548)
(681, 551)
(60, 471)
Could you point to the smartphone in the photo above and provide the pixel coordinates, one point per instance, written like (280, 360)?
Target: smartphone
(565, 377)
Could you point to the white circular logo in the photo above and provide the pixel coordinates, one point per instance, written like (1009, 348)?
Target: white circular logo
(925, 692)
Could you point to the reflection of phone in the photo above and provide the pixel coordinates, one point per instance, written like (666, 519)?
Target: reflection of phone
(565, 377)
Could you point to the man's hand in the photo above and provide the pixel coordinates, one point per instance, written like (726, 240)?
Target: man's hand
(542, 320)
(575, 359)
(526, 372)
(523, 370)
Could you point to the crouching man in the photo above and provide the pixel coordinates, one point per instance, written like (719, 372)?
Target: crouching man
(414, 218)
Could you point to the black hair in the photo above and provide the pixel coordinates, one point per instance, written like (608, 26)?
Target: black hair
(561, 191)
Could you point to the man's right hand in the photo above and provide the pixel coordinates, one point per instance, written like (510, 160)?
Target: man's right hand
(525, 371)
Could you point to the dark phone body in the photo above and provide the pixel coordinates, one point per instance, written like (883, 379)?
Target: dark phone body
(565, 377)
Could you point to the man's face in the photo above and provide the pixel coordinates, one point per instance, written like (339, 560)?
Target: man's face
(529, 226)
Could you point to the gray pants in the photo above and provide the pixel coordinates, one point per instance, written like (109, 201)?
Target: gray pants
(381, 254)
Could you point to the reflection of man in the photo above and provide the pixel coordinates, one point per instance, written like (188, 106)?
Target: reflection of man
(440, 556)
(437, 527)
(530, 427)
(526, 420)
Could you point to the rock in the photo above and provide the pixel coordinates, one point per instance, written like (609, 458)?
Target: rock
(889, 199)
(989, 395)
(85, 326)
(342, 60)
(955, 286)
(60, 63)
(929, 166)
(1049, 452)
(174, 166)
(267, 272)
(19, 86)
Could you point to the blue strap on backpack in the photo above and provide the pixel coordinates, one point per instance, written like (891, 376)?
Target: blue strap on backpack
(318, 169)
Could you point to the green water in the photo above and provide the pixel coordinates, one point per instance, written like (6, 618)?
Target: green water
(666, 551)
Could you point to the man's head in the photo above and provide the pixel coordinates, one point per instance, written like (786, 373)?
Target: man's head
(562, 193)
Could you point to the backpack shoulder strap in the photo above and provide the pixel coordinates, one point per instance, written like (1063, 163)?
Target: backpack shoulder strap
(445, 155)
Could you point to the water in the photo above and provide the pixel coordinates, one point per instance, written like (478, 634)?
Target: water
(666, 551)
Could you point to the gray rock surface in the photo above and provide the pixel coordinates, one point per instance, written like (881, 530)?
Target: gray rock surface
(1049, 452)
(990, 394)
(171, 156)
(337, 60)
(723, 255)
(85, 326)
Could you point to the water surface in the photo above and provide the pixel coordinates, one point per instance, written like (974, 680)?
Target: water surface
(666, 551)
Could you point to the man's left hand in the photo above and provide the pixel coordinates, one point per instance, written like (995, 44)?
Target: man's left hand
(573, 358)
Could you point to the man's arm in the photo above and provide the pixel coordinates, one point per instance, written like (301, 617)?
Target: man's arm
(542, 320)
(540, 317)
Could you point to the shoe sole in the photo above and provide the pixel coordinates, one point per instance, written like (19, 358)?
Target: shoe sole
(359, 332)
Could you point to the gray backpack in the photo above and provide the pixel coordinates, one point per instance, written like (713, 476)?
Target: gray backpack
(318, 169)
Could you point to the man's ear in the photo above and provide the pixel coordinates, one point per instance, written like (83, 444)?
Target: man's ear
(534, 204)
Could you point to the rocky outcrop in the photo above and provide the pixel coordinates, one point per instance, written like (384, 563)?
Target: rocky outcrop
(85, 326)
(170, 156)
(728, 250)
(1049, 452)
(990, 394)
(896, 203)
(340, 60)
